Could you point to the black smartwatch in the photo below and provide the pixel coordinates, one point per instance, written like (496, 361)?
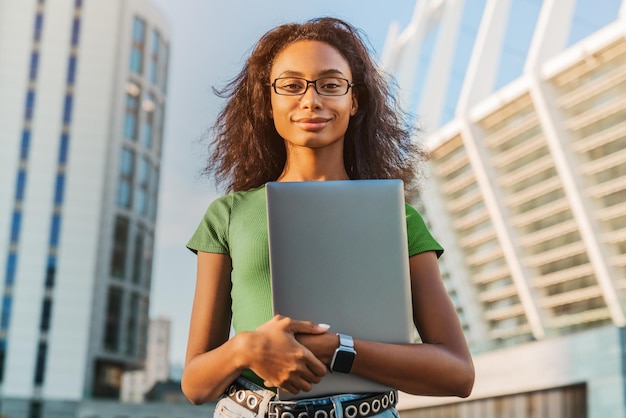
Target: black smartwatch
(344, 355)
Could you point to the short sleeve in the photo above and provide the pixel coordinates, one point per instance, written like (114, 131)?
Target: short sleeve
(419, 237)
(211, 236)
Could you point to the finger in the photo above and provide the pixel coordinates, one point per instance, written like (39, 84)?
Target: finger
(314, 365)
(300, 383)
(311, 376)
(307, 327)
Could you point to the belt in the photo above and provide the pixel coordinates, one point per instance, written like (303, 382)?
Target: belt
(356, 408)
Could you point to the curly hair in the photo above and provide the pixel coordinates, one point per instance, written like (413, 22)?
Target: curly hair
(246, 150)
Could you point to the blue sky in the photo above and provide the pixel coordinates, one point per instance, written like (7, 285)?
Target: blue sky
(209, 43)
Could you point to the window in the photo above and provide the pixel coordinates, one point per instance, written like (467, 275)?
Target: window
(7, 302)
(25, 146)
(131, 329)
(124, 194)
(136, 53)
(67, 109)
(15, 226)
(131, 116)
(127, 163)
(58, 189)
(127, 173)
(3, 353)
(75, 31)
(147, 260)
(154, 57)
(63, 148)
(30, 104)
(38, 26)
(34, 64)
(120, 247)
(141, 204)
(35, 408)
(71, 70)
(55, 230)
(154, 191)
(138, 255)
(11, 268)
(163, 62)
(149, 106)
(113, 317)
(51, 271)
(108, 379)
(21, 184)
(160, 125)
(40, 366)
(46, 310)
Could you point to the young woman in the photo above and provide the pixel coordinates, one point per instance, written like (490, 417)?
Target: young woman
(309, 105)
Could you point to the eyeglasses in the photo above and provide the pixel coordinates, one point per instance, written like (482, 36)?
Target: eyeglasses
(327, 86)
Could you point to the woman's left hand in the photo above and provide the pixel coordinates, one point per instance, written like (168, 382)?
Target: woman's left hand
(321, 345)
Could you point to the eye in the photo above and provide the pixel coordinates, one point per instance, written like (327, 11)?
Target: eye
(290, 84)
(331, 84)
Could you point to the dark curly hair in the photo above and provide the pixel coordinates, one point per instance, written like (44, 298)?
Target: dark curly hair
(246, 150)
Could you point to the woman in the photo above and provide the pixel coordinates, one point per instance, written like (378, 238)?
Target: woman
(309, 105)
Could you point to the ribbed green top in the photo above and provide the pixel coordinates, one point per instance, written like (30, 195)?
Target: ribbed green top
(236, 224)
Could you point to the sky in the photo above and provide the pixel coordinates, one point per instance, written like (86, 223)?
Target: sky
(209, 43)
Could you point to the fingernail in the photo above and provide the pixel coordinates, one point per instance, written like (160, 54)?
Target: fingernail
(325, 326)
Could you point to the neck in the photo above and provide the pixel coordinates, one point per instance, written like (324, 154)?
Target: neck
(310, 164)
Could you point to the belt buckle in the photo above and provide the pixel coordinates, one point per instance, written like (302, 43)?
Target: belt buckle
(273, 405)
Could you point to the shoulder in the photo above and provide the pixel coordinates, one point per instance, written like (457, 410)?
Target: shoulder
(213, 234)
(237, 200)
(419, 236)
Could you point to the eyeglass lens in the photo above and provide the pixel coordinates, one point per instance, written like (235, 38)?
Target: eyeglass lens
(327, 86)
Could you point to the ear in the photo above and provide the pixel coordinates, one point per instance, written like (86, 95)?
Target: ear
(355, 106)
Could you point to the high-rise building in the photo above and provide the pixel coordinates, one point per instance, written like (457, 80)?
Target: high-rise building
(82, 100)
(136, 384)
(523, 106)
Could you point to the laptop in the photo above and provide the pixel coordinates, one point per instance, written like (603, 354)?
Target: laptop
(339, 256)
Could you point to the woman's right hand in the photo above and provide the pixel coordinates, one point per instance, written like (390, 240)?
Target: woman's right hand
(279, 359)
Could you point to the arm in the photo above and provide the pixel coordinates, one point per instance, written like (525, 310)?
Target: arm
(213, 361)
(440, 366)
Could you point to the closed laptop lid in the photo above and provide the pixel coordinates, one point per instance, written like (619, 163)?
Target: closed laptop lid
(339, 255)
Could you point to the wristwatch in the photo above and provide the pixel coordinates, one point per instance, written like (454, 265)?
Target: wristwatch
(344, 355)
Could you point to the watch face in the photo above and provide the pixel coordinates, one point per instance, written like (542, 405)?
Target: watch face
(343, 361)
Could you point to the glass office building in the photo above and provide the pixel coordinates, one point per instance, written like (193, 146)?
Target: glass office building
(523, 107)
(82, 102)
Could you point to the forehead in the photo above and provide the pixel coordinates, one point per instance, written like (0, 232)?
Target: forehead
(310, 59)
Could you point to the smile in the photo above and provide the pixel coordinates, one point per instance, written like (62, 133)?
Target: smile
(312, 123)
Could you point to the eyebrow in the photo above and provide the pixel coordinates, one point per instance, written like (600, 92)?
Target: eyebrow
(292, 73)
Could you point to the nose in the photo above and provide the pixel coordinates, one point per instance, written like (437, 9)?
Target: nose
(310, 98)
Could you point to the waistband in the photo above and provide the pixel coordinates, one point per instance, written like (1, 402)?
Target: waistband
(263, 402)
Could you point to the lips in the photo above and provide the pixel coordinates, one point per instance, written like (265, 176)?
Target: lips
(311, 124)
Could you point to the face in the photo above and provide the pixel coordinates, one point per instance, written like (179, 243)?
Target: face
(311, 120)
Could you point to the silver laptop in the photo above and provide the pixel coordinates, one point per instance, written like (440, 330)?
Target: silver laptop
(339, 256)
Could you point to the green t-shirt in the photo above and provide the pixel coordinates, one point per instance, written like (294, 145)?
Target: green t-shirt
(236, 224)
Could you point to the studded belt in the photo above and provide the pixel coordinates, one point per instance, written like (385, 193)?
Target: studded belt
(356, 408)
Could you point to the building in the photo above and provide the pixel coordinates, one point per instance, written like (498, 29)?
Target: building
(523, 105)
(136, 384)
(82, 99)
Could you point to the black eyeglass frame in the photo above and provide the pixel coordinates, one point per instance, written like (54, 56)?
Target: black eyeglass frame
(314, 82)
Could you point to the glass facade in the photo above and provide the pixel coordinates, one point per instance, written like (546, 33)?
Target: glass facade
(138, 45)
(79, 220)
(21, 177)
(130, 269)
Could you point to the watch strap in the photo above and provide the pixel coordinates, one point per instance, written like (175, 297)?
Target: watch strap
(346, 341)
